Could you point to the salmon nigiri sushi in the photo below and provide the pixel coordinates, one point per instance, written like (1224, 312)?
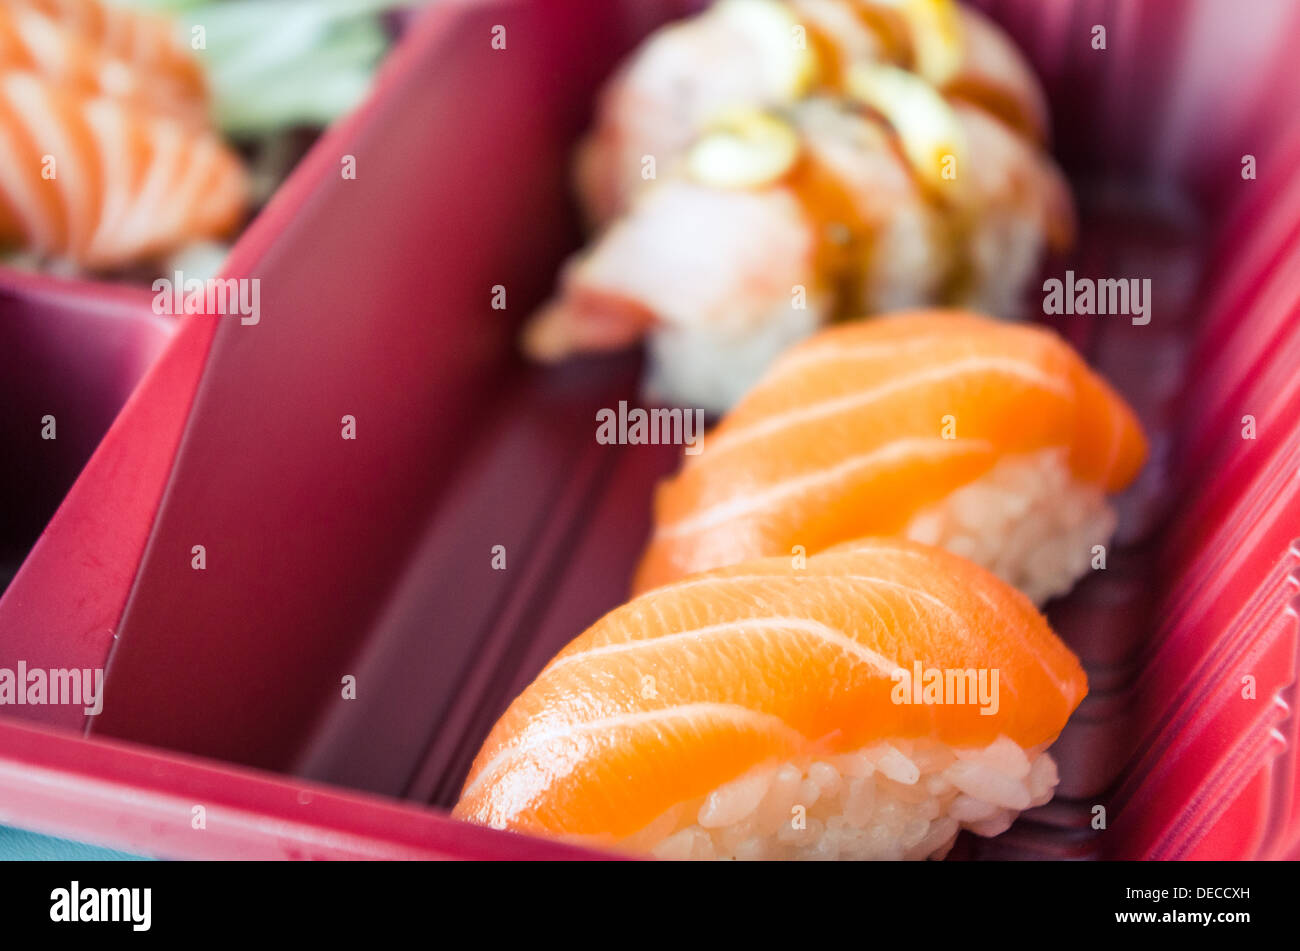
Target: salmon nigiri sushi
(995, 441)
(865, 704)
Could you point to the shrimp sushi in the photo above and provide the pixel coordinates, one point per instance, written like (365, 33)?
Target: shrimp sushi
(854, 705)
(769, 53)
(776, 223)
(995, 441)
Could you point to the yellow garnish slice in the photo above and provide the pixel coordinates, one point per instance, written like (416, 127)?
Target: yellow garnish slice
(744, 148)
(929, 131)
(935, 29)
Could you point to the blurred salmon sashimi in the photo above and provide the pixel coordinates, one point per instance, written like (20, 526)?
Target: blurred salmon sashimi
(100, 50)
(107, 155)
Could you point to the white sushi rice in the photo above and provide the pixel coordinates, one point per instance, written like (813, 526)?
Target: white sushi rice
(905, 799)
(712, 367)
(1004, 256)
(1028, 520)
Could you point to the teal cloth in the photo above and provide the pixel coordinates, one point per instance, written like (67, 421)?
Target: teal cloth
(17, 846)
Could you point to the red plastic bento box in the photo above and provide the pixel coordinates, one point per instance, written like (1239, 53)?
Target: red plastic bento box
(371, 558)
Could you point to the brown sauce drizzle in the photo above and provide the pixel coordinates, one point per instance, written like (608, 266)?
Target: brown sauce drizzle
(842, 237)
(889, 28)
(998, 103)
